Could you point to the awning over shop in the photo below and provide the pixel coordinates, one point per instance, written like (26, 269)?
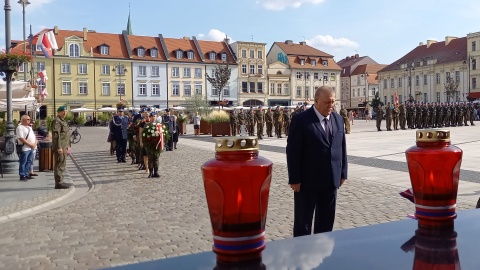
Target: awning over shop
(474, 95)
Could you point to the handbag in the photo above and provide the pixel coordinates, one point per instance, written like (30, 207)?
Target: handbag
(20, 146)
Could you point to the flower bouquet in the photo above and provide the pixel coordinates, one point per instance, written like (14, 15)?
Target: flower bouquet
(153, 137)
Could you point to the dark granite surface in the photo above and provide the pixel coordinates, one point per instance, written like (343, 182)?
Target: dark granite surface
(384, 246)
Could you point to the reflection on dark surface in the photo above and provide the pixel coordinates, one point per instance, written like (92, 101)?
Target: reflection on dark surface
(250, 265)
(434, 249)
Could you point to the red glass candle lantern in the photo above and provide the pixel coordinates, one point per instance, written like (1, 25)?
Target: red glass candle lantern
(237, 185)
(434, 167)
(436, 249)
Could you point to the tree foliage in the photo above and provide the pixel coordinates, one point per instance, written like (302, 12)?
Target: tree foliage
(197, 103)
(451, 87)
(376, 101)
(221, 76)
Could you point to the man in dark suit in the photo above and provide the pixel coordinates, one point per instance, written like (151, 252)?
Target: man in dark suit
(317, 163)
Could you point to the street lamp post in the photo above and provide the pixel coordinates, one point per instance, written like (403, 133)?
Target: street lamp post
(120, 71)
(24, 4)
(306, 74)
(409, 68)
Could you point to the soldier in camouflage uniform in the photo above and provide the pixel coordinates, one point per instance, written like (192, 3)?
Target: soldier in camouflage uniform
(60, 146)
(471, 113)
(426, 114)
(260, 119)
(459, 112)
(286, 120)
(465, 114)
(395, 115)
(278, 121)
(344, 115)
(433, 115)
(379, 116)
(408, 114)
(388, 116)
(233, 122)
(418, 116)
(241, 119)
(402, 116)
(440, 115)
(447, 114)
(250, 122)
(269, 121)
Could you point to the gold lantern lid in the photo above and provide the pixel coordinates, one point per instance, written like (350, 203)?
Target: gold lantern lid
(226, 144)
(433, 135)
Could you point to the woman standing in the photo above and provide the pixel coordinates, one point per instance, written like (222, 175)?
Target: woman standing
(196, 124)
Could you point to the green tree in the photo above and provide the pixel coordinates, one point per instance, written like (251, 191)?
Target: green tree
(376, 101)
(451, 87)
(197, 103)
(221, 76)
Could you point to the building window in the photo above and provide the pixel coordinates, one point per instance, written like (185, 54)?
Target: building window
(299, 92)
(104, 50)
(120, 69)
(260, 54)
(457, 76)
(260, 69)
(259, 87)
(299, 75)
(325, 77)
(325, 62)
(22, 69)
(307, 91)
(385, 99)
(385, 83)
(105, 89)
(142, 71)
(425, 79)
(279, 88)
(272, 89)
(438, 96)
(74, 50)
(417, 80)
(474, 46)
(315, 76)
(400, 99)
(121, 89)
(179, 54)
(175, 72)
(155, 89)
(223, 57)
(190, 55)
(226, 91)
(187, 73)
(214, 92)
(140, 52)
(252, 69)
(105, 69)
(244, 53)
(66, 88)
(244, 68)
(285, 88)
(212, 56)
(437, 78)
(154, 53)
(65, 67)
(333, 77)
(313, 63)
(244, 87)
(400, 82)
(425, 97)
(187, 89)
(353, 93)
(198, 88)
(40, 66)
(392, 83)
(198, 73)
(474, 64)
(252, 87)
(252, 54)
(302, 62)
(176, 89)
(82, 88)
(155, 71)
(142, 89)
(447, 77)
(474, 83)
(82, 68)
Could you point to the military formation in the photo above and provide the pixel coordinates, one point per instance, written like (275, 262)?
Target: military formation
(422, 115)
(263, 121)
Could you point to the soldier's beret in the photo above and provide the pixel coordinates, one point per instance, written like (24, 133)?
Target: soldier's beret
(62, 108)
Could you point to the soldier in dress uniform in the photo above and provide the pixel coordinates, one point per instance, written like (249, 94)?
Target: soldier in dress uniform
(269, 121)
(60, 146)
(260, 119)
(388, 116)
(395, 115)
(286, 120)
(277, 121)
(118, 127)
(402, 116)
(233, 122)
(379, 116)
(344, 115)
(241, 118)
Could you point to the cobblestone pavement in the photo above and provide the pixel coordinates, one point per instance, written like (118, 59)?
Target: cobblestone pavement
(128, 218)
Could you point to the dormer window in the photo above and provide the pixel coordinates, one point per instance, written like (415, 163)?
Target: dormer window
(74, 50)
(224, 57)
(179, 54)
(212, 56)
(140, 52)
(302, 62)
(104, 50)
(190, 55)
(313, 62)
(153, 52)
(325, 62)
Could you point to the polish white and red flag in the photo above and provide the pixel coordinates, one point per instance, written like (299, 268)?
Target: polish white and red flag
(42, 77)
(47, 43)
(395, 98)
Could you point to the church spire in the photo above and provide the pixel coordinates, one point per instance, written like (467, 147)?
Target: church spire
(129, 24)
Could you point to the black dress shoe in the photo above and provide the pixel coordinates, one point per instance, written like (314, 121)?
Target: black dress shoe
(62, 186)
(33, 174)
(23, 178)
(124, 161)
(29, 177)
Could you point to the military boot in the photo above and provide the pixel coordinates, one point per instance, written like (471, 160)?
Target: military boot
(155, 173)
(150, 172)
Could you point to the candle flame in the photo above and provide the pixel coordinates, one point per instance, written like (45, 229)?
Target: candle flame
(239, 198)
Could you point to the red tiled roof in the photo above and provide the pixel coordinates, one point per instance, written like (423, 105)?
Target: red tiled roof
(294, 62)
(147, 43)
(218, 47)
(350, 62)
(184, 44)
(299, 49)
(371, 70)
(456, 50)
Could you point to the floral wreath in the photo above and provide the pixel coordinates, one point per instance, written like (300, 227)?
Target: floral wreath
(153, 137)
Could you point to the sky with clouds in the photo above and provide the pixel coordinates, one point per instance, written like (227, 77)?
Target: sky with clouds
(383, 30)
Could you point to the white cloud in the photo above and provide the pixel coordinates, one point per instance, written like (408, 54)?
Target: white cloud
(214, 35)
(326, 43)
(283, 4)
